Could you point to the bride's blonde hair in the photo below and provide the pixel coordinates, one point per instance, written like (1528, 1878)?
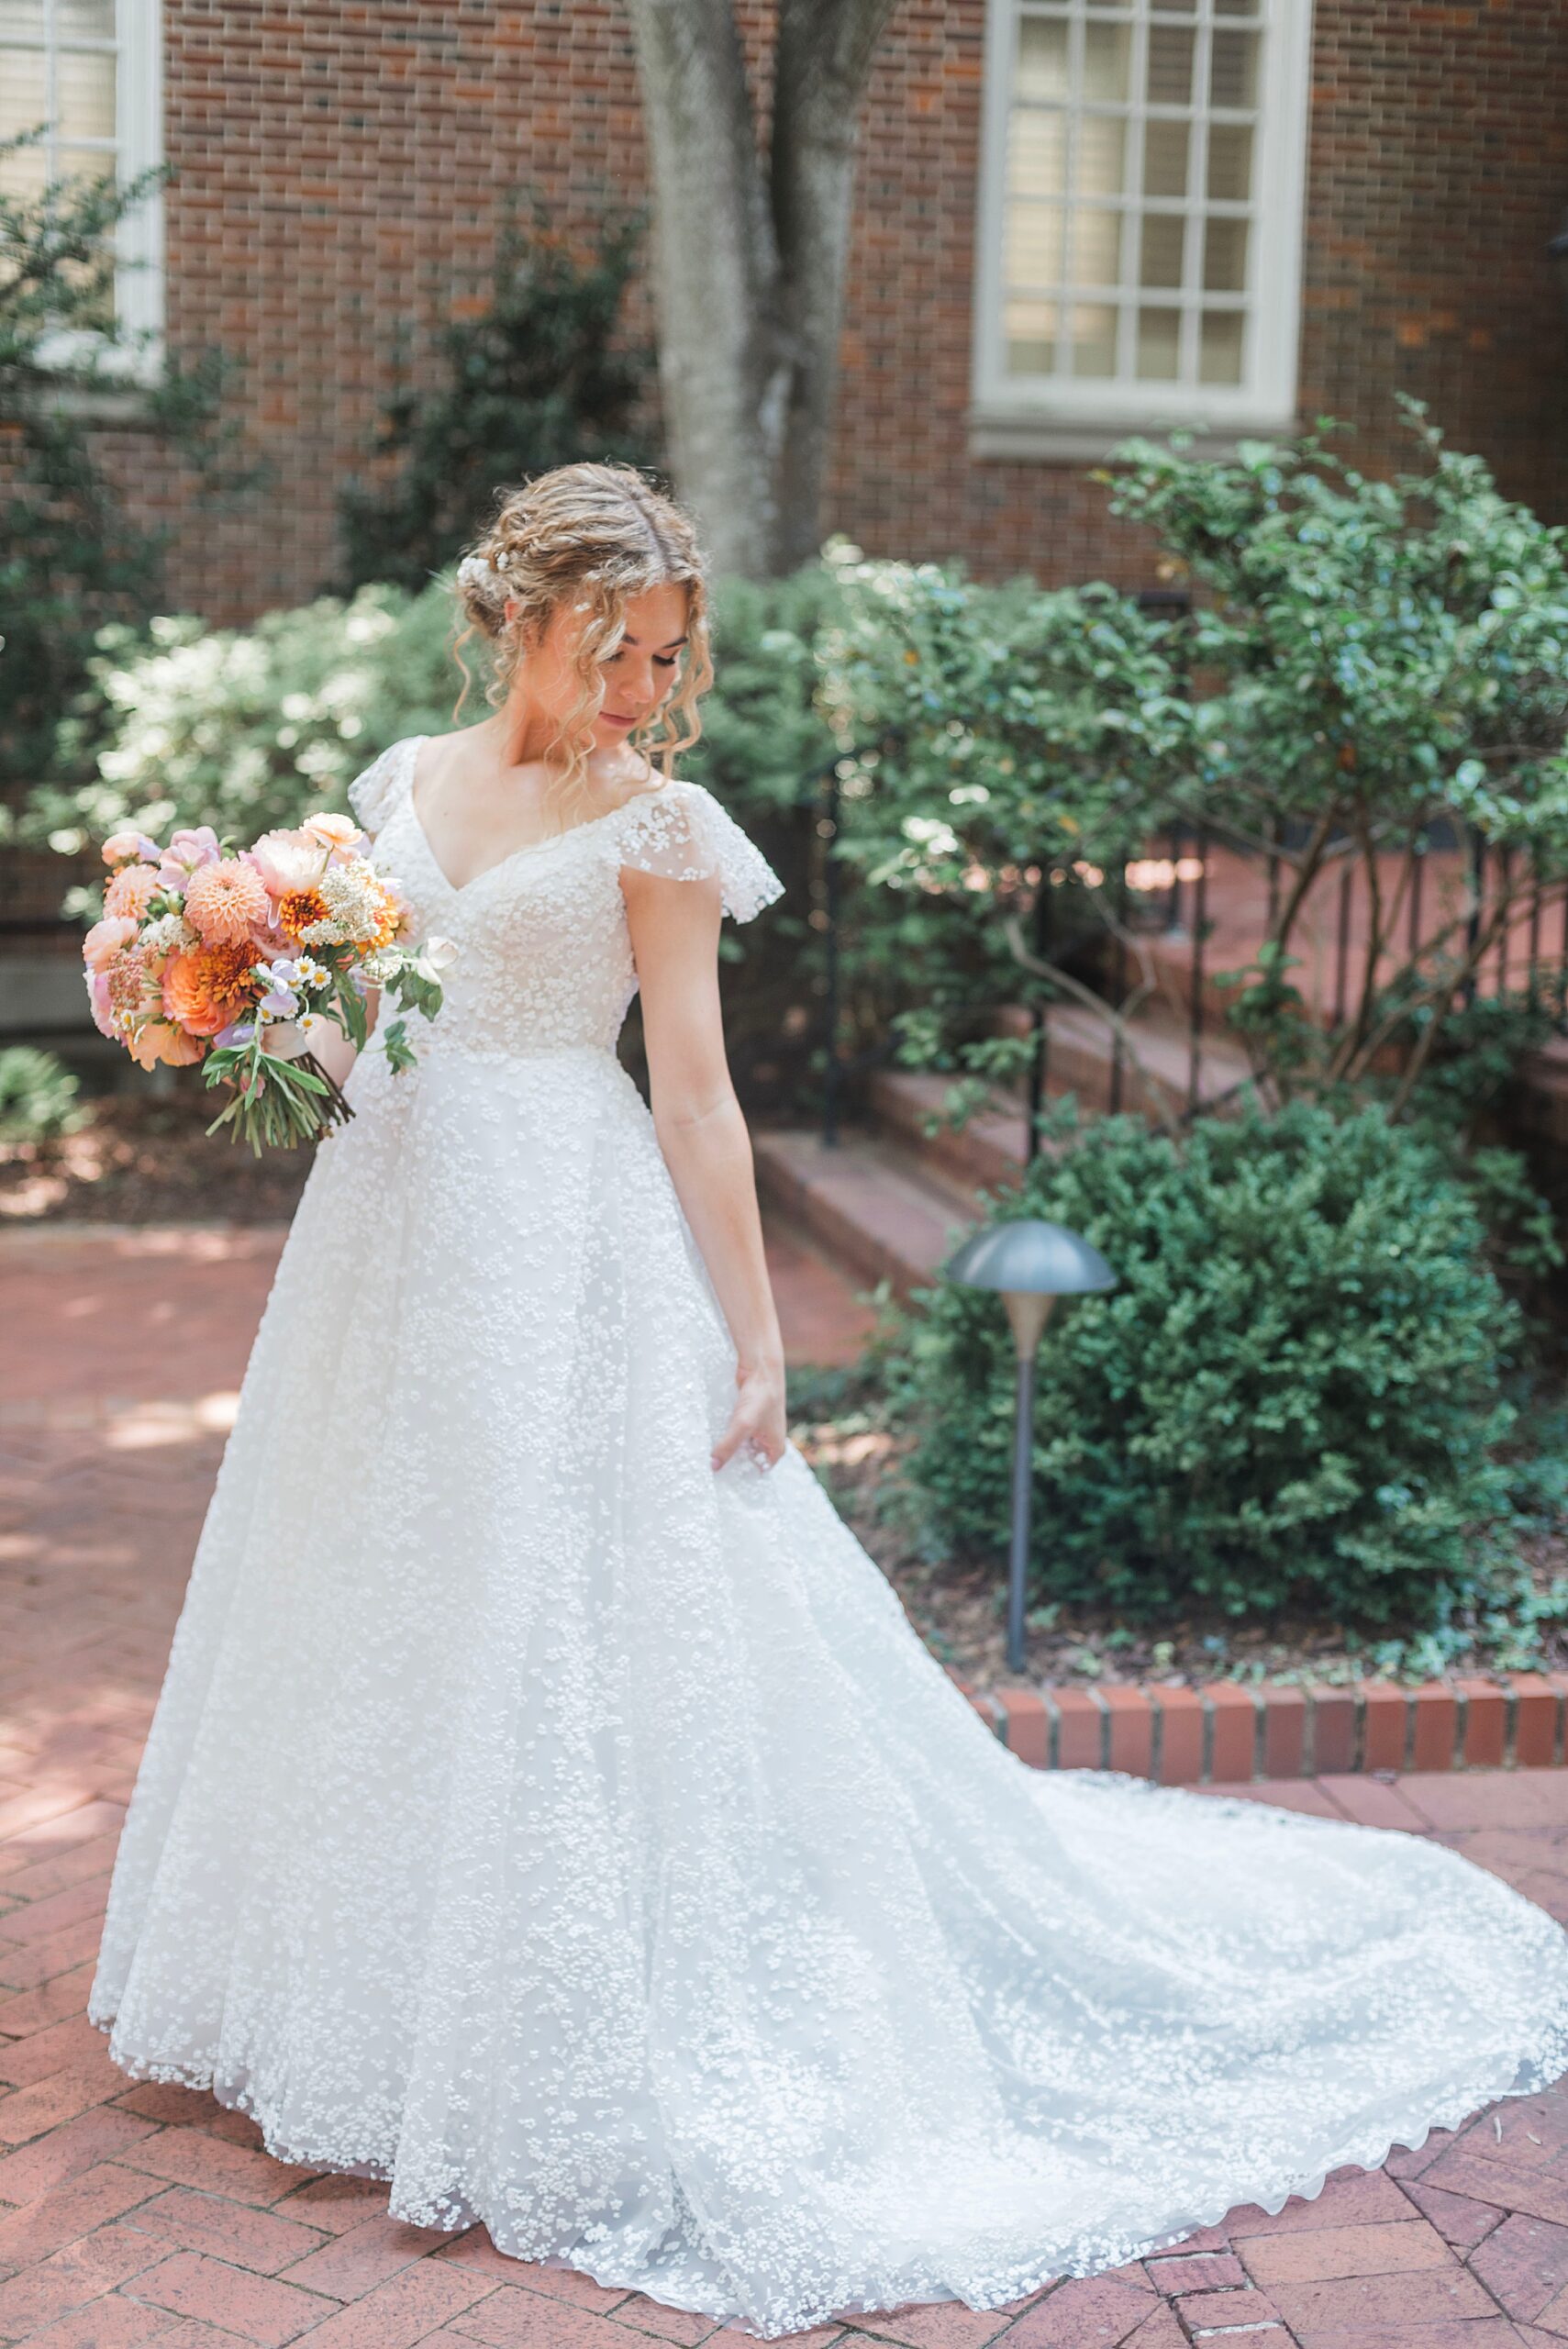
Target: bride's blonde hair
(592, 535)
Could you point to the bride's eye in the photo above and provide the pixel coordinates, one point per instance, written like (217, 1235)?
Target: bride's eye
(664, 660)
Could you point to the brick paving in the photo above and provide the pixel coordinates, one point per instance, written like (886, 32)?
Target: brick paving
(135, 2214)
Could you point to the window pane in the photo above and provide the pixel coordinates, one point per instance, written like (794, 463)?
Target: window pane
(1093, 255)
(24, 94)
(1171, 65)
(1037, 153)
(1165, 158)
(1159, 345)
(19, 21)
(1102, 155)
(1219, 348)
(1030, 329)
(1042, 58)
(1235, 7)
(85, 83)
(1092, 340)
(1233, 69)
(84, 19)
(1107, 50)
(1162, 243)
(1231, 162)
(85, 164)
(1224, 256)
(1034, 244)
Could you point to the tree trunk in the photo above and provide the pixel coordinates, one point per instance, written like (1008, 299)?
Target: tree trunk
(751, 261)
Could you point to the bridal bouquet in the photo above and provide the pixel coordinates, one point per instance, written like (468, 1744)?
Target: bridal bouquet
(242, 959)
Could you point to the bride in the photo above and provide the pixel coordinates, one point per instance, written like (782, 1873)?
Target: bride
(548, 1808)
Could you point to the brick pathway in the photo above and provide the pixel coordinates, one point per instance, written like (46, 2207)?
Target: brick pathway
(133, 2215)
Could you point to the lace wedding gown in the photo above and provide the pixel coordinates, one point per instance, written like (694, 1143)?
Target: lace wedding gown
(582, 1842)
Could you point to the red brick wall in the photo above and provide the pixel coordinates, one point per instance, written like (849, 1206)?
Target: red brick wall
(339, 167)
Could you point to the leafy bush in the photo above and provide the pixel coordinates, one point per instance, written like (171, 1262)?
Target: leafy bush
(247, 727)
(537, 379)
(1292, 1397)
(38, 1095)
(1364, 660)
(73, 558)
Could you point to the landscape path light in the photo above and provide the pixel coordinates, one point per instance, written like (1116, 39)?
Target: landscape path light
(1031, 1264)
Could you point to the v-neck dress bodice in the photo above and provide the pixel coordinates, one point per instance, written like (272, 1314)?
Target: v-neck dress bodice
(544, 953)
(584, 1841)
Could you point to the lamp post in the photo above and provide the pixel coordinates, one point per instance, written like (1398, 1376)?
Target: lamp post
(1030, 1263)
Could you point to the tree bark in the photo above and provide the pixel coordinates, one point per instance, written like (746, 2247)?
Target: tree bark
(750, 258)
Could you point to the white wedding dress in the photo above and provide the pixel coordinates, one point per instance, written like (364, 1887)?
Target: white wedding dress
(582, 1842)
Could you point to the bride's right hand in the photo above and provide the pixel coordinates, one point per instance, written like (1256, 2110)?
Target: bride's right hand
(758, 1418)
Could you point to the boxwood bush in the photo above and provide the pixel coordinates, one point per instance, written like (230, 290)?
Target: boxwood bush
(1292, 1399)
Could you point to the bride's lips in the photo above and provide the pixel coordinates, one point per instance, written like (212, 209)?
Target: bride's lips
(614, 717)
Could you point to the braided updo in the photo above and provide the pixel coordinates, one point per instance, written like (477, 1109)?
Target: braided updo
(592, 535)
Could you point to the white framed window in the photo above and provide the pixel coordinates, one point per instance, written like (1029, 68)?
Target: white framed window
(1140, 220)
(91, 73)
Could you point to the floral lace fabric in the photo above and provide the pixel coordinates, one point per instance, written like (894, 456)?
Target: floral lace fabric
(583, 1842)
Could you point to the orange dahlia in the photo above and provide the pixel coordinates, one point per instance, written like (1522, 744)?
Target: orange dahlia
(224, 899)
(297, 908)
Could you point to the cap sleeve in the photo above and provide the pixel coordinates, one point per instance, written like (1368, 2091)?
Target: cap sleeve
(680, 830)
(374, 794)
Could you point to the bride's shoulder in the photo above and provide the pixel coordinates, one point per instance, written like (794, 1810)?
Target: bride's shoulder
(676, 827)
(376, 789)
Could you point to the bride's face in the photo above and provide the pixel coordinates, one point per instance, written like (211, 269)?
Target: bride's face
(638, 675)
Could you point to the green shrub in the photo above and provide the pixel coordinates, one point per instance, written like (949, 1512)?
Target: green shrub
(38, 1095)
(1292, 1397)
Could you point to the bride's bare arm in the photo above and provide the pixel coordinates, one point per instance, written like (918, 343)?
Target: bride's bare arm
(674, 937)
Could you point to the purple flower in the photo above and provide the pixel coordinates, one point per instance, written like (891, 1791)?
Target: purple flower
(185, 854)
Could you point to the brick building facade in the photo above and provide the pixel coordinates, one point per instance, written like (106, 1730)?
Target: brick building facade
(339, 165)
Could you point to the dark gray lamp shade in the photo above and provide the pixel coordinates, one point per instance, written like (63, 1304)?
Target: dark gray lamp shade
(1041, 1259)
(1030, 1263)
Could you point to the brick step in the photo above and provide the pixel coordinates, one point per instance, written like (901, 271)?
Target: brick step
(1228, 1732)
(988, 1151)
(1080, 1054)
(876, 1209)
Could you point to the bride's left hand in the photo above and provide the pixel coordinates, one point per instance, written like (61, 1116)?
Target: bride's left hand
(758, 1418)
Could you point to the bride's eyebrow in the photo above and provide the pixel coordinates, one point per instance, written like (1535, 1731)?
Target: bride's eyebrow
(675, 644)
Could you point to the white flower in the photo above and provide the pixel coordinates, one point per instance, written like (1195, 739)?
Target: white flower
(439, 953)
(170, 934)
(353, 895)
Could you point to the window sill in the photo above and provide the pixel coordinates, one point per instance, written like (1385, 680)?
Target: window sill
(126, 407)
(1012, 434)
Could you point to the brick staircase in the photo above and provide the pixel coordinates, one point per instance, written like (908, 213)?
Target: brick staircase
(890, 1201)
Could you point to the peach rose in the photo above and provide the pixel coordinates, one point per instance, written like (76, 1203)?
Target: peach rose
(156, 1041)
(106, 938)
(337, 832)
(122, 848)
(226, 900)
(190, 998)
(287, 860)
